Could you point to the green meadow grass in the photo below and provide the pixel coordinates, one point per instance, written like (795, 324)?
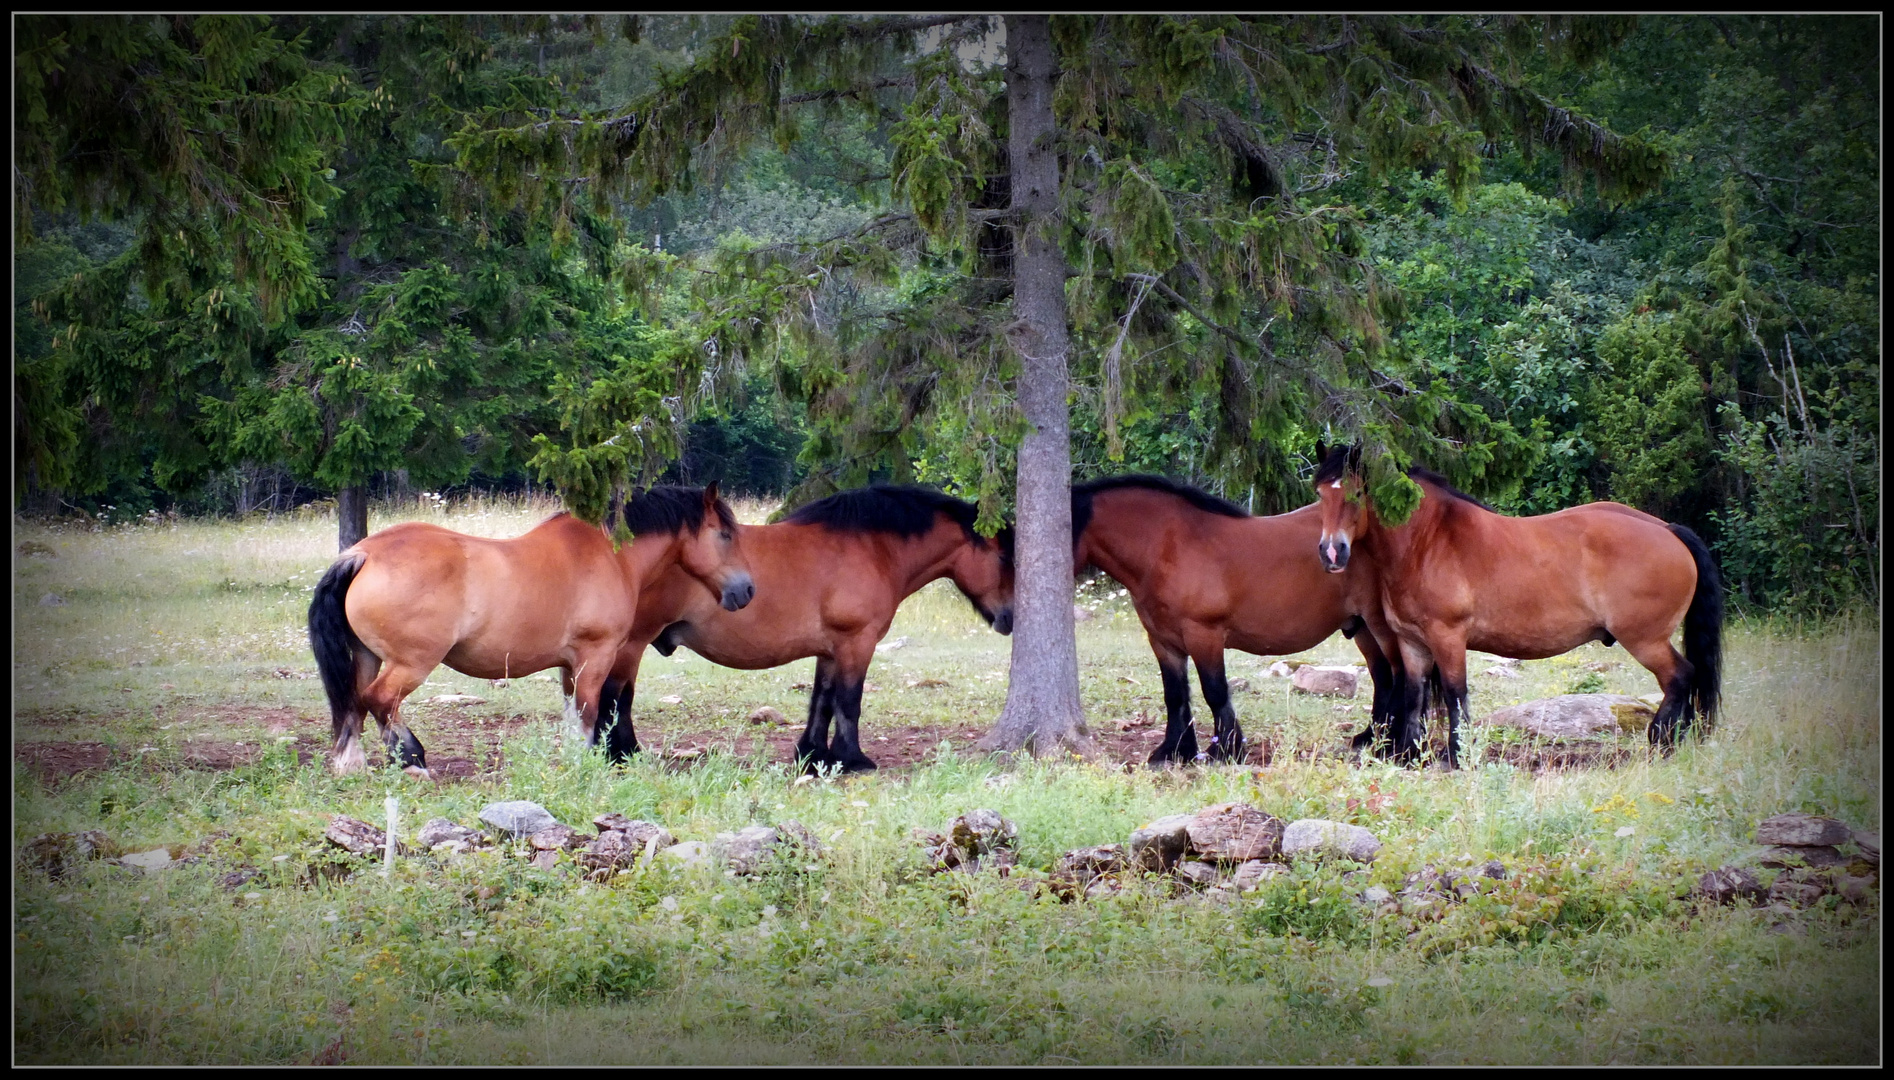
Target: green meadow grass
(174, 633)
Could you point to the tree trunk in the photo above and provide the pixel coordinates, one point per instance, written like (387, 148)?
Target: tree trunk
(1042, 711)
(351, 515)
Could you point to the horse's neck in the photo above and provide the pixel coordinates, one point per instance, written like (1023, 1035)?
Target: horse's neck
(1125, 554)
(1404, 545)
(650, 555)
(928, 557)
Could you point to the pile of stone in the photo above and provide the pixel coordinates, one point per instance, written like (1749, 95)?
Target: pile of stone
(1808, 853)
(974, 841)
(58, 854)
(1222, 850)
(1430, 889)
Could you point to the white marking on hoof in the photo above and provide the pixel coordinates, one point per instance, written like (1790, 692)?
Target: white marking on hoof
(351, 759)
(418, 771)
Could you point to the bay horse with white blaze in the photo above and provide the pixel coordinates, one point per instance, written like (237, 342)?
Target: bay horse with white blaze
(1458, 576)
(829, 578)
(414, 596)
(1205, 576)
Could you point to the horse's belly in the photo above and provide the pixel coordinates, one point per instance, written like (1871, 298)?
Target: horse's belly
(487, 661)
(1518, 646)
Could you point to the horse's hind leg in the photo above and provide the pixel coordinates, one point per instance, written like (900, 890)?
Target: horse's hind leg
(1673, 677)
(383, 698)
(1226, 744)
(348, 728)
(813, 747)
(1180, 737)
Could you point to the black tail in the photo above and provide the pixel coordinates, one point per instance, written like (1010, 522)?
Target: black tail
(334, 643)
(1703, 629)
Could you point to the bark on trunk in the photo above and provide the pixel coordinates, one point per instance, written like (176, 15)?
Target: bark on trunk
(1042, 711)
(351, 515)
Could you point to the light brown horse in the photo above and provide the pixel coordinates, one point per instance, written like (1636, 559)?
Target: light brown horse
(414, 595)
(829, 579)
(1457, 576)
(1205, 576)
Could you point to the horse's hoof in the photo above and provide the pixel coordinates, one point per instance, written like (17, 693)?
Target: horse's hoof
(857, 764)
(418, 772)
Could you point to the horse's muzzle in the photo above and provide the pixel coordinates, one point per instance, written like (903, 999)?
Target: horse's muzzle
(737, 592)
(1003, 620)
(1334, 555)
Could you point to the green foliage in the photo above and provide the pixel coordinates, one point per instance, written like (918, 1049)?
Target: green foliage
(1650, 429)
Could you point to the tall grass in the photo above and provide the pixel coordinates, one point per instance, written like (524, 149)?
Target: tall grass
(1588, 954)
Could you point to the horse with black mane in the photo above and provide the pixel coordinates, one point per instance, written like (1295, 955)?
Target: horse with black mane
(1205, 575)
(414, 596)
(829, 578)
(1458, 575)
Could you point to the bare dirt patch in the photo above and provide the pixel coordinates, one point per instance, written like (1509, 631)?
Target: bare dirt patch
(54, 761)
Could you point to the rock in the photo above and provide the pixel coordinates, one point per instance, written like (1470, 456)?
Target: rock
(1789, 857)
(448, 848)
(1653, 700)
(1501, 672)
(556, 837)
(690, 853)
(440, 831)
(1855, 890)
(1728, 884)
(1199, 875)
(518, 818)
(768, 715)
(155, 859)
(1603, 665)
(1102, 886)
(1314, 837)
(544, 860)
(55, 853)
(1795, 893)
(797, 835)
(51, 600)
(456, 699)
(1575, 716)
(1279, 670)
(356, 837)
(1254, 873)
(1158, 845)
(890, 646)
(609, 851)
(1494, 869)
(982, 831)
(1327, 681)
(1234, 832)
(1869, 843)
(238, 878)
(1802, 830)
(1375, 895)
(1238, 686)
(638, 831)
(1092, 861)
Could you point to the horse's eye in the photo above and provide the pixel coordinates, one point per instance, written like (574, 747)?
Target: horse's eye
(725, 533)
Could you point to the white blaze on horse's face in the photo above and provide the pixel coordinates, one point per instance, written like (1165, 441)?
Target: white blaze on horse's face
(1340, 517)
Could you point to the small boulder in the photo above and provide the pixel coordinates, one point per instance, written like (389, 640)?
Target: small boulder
(55, 853)
(1325, 681)
(768, 715)
(440, 831)
(1254, 873)
(1279, 670)
(795, 834)
(638, 831)
(1575, 716)
(544, 860)
(690, 853)
(557, 837)
(1500, 671)
(1870, 845)
(1802, 830)
(982, 832)
(1729, 884)
(1855, 890)
(1791, 857)
(609, 851)
(1787, 890)
(1198, 875)
(1092, 861)
(1494, 869)
(1234, 833)
(1158, 845)
(356, 837)
(1315, 838)
(147, 861)
(517, 818)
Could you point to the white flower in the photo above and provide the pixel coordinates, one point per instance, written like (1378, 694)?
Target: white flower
(1624, 832)
(769, 910)
(669, 903)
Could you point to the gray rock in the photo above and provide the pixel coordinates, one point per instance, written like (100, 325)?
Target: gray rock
(1789, 857)
(1102, 886)
(544, 860)
(1087, 862)
(1315, 838)
(1279, 670)
(1326, 681)
(1200, 875)
(1494, 869)
(1729, 884)
(440, 831)
(1375, 895)
(557, 837)
(1158, 845)
(1802, 830)
(1869, 843)
(1574, 716)
(517, 818)
(51, 600)
(767, 715)
(795, 834)
(747, 850)
(1855, 890)
(56, 853)
(155, 859)
(638, 830)
(355, 837)
(609, 851)
(1795, 893)
(1234, 833)
(689, 852)
(1499, 671)
(449, 848)
(1256, 872)
(982, 831)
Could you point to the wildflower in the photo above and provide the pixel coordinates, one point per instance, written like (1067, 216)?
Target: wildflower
(1624, 831)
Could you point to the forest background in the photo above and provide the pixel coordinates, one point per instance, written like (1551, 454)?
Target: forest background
(1708, 353)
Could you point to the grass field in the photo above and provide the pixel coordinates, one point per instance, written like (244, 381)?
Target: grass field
(163, 693)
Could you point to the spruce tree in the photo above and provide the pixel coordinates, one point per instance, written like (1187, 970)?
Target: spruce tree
(1143, 200)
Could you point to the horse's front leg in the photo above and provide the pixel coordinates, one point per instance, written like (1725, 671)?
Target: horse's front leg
(1180, 737)
(851, 677)
(813, 748)
(621, 738)
(594, 669)
(1226, 742)
(1386, 681)
(383, 698)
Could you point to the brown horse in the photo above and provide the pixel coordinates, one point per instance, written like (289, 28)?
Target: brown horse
(1205, 576)
(829, 578)
(1458, 576)
(414, 595)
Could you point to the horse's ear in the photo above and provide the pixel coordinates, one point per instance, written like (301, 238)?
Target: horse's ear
(710, 494)
(1321, 452)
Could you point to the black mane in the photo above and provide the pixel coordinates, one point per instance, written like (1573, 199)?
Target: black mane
(671, 509)
(1082, 495)
(896, 509)
(1347, 459)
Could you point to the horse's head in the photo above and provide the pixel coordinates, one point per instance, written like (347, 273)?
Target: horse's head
(707, 537)
(1338, 490)
(983, 569)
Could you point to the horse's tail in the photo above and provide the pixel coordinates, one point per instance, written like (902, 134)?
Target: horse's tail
(333, 640)
(1703, 629)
